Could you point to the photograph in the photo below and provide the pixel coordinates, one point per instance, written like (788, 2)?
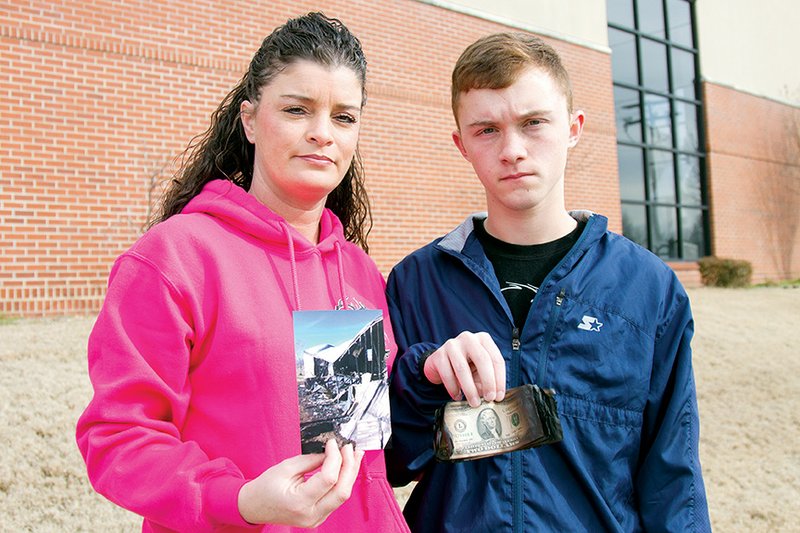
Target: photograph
(341, 378)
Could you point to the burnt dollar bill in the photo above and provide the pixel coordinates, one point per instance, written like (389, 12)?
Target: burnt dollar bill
(527, 417)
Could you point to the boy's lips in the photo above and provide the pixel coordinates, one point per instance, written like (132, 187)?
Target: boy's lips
(516, 175)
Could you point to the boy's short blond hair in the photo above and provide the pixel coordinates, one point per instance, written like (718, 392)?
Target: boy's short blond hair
(496, 61)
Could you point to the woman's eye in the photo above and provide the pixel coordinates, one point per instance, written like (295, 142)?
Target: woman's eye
(294, 110)
(346, 119)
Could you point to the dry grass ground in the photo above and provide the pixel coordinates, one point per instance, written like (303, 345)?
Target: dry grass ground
(747, 365)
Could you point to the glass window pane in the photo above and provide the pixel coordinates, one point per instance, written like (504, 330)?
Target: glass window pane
(683, 74)
(620, 12)
(689, 179)
(686, 127)
(663, 225)
(694, 246)
(661, 177)
(631, 173)
(634, 223)
(680, 22)
(657, 121)
(629, 115)
(651, 17)
(623, 57)
(654, 65)
(658, 124)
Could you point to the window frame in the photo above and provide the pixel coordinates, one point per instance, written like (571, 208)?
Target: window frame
(677, 250)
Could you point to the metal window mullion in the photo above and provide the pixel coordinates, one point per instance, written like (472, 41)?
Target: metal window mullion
(674, 134)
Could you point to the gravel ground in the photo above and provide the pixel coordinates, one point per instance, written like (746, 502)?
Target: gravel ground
(746, 359)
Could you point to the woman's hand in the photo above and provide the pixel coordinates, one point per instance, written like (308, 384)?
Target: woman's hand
(282, 495)
(469, 364)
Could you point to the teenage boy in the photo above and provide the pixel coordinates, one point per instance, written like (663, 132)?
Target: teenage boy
(532, 293)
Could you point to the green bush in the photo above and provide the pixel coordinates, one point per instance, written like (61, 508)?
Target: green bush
(719, 272)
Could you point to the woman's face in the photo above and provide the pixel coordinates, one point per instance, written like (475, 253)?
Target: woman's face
(305, 130)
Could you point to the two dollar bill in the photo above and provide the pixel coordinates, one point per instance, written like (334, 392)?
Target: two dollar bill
(527, 417)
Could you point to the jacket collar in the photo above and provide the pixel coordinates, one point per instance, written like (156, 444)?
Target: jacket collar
(456, 240)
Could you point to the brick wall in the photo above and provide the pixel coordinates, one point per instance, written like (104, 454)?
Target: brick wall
(97, 99)
(754, 181)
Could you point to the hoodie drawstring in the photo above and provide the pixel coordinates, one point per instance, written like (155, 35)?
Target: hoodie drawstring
(293, 264)
(338, 248)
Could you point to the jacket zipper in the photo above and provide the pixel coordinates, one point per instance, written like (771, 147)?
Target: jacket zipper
(551, 328)
(516, 364)
(516, 457)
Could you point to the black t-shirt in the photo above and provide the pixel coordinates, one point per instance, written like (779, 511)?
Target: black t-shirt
(520, 269)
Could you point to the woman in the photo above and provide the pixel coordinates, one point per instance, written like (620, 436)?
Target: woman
(194, 423)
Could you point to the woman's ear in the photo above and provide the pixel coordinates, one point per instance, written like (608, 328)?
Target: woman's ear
(247, 112)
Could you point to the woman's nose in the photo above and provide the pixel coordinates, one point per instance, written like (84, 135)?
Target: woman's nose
(319, 132)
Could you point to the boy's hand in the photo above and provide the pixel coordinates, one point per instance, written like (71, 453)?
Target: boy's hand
(470, 364)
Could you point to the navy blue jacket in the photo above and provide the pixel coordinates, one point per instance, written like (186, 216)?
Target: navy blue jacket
(609, 331)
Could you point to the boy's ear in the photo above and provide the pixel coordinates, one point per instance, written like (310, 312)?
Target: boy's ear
(459, 144)
(576, 127)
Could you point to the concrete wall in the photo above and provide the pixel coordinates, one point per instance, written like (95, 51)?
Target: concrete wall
(578, 21)
(751, 46)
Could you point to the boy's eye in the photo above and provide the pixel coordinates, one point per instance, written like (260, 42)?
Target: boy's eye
(534, 122)
(486, 131)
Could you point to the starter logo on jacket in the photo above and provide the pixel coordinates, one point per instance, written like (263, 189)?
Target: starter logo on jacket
(590, 323)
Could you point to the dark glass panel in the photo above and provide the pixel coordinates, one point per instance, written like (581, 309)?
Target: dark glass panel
(620, 12)
(683, 74)
(629, 115)
(664, 232)
(686, 133)
(661, 177)
(634, 223)
(680, 22)
(694, 244)
(651, 17)
(623, 57)
(654, 65)
(689, 179)
(631, 173)
(657, 121)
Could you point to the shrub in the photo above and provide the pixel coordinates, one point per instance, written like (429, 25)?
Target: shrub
(720, 272)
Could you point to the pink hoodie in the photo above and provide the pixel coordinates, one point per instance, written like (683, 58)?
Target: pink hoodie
(192, 362)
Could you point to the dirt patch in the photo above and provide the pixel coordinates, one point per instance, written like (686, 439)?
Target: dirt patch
(746, 357)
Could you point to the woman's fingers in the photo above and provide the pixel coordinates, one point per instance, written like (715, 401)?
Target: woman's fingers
(321, 482)
(341, 490)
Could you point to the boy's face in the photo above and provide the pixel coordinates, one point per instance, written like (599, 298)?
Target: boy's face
(517, 140)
